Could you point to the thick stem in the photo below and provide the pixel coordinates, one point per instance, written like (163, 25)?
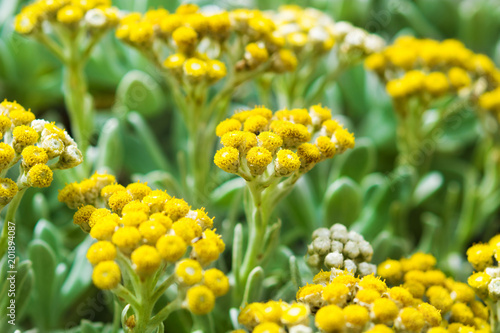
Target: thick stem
(9, 217)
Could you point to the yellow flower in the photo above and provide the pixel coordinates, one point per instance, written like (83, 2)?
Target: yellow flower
(373, 282)
(258, 159)
(401, 296)
(375, 62)
(380, 329)
(195, 69)
(309, 155)
(216, 69)
(459, 77)
(228, 159)
(295, 314)
(251, 315)
(175, 61)
(330, 319)
(255, 124)
(141, 33)
(410, 319)
(138, 190)
(480, 256)
(164, 220)
(436, 83)
(185, 38)
(126, 238)
(461, 313)
(188, 272)
(366, 296)
(187, 8)
(146, 259)
(286, 61)
(390, 270)
(256, 54)
(286, 162)
(319, 114)
(7, 155)
(8, 189)
(171, 247)
(101, 251)
(21, 117)
(106, 275)
(151, 231)
(440, 298)
(26, 22)
(24, 136)
(356, 316)
(97, 215)
(292, 134)
(82, 217)
(431, 315)
(118, 200)
(267, 328)
(133, 219)
(33, 155)
(216, 281)
(156, 200)
(269, 141)
(205, 251)
(226, 126)
(384, 310)
(40, 175)
(176, 208)
(70, 14)
(135, 206)
(200, 300)
(105, 229)
(479, 282)
(187, 228)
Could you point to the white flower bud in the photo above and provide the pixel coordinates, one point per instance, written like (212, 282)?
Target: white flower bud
(321, 232)
(365, 268)
(494, 272)
(321, 245)
(366, 250)
(300, 329)
(494, 288)
(336, 246)
(52, 145)
(342, 28)
(334, 260)
(314, 261)
(95, 18)
(70, 158)
(351, 249)
(350, 266)
(355, 237)
(38, 125)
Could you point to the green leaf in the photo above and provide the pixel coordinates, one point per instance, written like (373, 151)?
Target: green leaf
(138, 91)
(295, 272)
(45, 231)
(40, 206)
(88, 327)
(24, 286)
(253, 286)
(224, 194)
(79, 277)
(109, 147)
(342, 202)
(44, 268)
(428, 185)
(358, 162)
(237, 255)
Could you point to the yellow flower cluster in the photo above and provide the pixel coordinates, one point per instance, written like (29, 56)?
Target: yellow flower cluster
(199, 40)
(455, 300)
(151, 230)
(93, 14)
(259, 142)
(308, 30)
(343, 303)
(427, 69)
(485, 281)
(35, 143)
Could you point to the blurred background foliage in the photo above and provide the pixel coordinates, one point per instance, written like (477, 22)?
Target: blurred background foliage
(32, 76)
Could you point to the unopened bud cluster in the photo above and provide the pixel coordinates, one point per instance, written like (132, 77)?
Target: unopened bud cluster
(340, 249)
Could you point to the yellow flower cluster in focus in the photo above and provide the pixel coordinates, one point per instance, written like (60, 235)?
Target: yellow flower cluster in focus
(92, 14)
(280, 144)
(39, 145)
(425, 283)
(428, 69)
(150, 230)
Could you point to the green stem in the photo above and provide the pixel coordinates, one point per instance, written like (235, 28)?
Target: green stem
(145, 306)
(127, 296)
(165, 312)
(9, 217)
